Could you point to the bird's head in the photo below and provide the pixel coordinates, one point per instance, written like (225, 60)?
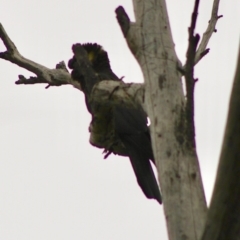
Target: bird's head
(97, 56)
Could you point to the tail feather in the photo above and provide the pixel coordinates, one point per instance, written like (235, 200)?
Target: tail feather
(145, 177)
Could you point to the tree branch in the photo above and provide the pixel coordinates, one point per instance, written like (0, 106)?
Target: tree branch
(193, 56)
(202, 50)
(129, 29)
(54, 77)
(123, 20)
(189, 77)
(37, 80)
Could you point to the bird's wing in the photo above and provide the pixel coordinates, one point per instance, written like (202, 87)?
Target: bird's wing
(131, 127)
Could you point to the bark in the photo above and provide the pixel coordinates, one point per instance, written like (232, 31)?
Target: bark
(223, 220)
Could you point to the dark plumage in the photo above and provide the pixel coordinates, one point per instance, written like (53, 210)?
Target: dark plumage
(120, 129)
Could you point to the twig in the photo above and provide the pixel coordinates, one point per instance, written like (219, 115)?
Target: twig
(54, 77)
(202, 51)
(36, 80)
(30, 80)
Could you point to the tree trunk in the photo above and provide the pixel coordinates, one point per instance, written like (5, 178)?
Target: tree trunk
(150, 40)
(223, 220)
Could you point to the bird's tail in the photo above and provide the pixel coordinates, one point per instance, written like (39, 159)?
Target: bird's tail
(145, 177)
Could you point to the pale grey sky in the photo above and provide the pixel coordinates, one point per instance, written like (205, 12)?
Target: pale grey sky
(53, 183)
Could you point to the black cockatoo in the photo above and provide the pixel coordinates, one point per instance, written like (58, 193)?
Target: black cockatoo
(121, 130)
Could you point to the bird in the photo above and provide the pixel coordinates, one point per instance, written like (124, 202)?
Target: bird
(119, 129)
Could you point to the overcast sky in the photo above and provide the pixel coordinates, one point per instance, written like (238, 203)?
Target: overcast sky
(53, 183)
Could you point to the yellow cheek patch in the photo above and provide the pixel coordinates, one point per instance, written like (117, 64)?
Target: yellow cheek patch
(92, 55)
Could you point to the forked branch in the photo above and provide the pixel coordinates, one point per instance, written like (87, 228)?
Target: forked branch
(53, 77)
(202, 49)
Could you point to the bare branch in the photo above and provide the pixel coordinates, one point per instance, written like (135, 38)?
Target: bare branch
(30, 80)
(36, 80)
(189, 76)
(123, 20)
(7, 41)
(129, 29)
(202, 51)
(54, 77)
(194, 55)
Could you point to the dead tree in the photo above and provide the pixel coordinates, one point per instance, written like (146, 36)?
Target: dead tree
(172, 118)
